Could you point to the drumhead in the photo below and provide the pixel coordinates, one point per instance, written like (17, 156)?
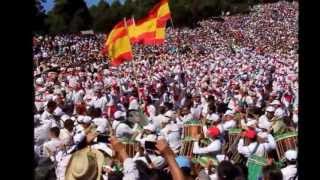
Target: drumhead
(285, 136)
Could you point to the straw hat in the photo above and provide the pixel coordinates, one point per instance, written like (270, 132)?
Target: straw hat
(85, 164)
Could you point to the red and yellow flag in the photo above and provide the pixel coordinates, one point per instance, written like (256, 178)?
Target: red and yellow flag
(161, 11)
(145, 28)
(163, 14)
(118, 45)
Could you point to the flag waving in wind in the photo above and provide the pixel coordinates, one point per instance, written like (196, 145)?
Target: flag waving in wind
(118, 45)
(162, 13)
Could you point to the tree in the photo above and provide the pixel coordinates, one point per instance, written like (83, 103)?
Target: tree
(100, 16)
(38, 22)
(69, 16)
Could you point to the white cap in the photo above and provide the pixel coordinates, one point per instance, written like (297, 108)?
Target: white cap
(251, 122)
(263, 135)
(101, 129)
(150, 138)
(103, 147)
(87, 119)
(79, 118)
(229, 112)
(291, 155)
(275, 102)
(64, 117)
(134, 105)
(213, 117)
(169, 114)
(279, 113)
(57, 91)
(39, 81)
(150, 127)
(270, 109)
(58, 112)
(222, 157)
(164, 119)
(119, 114)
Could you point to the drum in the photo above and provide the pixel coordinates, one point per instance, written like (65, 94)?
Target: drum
(255, 164)
(231, 146)
(192, 129)
(187, 146)
(285, 142)
(131, 147)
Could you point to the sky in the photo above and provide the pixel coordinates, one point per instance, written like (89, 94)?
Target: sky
(50, 3)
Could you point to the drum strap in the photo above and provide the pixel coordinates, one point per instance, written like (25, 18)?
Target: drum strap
(255, 149)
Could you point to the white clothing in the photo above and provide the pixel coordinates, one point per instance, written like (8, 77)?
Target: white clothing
(247, 151)
(289, 172)
(52, 146)
(66, 137)
(101, 124)
(122, 129)
(130, 171)
(264, 122)
(213, 147)
(171, 132)
(99, 102)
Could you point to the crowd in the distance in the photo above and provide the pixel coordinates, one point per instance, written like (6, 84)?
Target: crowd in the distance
(94, 121)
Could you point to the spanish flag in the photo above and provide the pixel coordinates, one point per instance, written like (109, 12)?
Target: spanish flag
(159, 36)
(145, 29)
(162, 12)
(116, 30)
(118, 47)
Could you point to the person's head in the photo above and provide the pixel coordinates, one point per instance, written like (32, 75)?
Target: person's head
(291, 156)
(86, 121)
(185, 111)
(250, 135)
(271, 172)
(51, 106)
(227, 171)
(96, 112)
(228, 115)
(54, 132)
(68, 124)
(211, 99)
(161, 109)
(213, 132)
(270, 112)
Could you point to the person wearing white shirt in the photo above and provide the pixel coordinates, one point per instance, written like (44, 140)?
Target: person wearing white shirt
(148, 134)
(99, 100)
(290, 171)
(212, 118)
(47, 117)
(122, 126)
(264, 121)
(100, 122)
(51, 147)
(66, 134)
(228, 121)
(213, 148)
(156, 120)
(254, 147)
(172, 133)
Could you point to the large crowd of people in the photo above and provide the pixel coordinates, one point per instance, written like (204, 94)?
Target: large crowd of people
(134, 121)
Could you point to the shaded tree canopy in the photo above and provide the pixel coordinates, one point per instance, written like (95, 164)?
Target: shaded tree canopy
(70, 16)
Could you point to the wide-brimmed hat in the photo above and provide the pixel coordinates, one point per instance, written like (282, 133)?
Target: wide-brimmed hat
(85, 164)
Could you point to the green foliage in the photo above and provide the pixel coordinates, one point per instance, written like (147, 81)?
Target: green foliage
(73, 15)
(69, 16)
(39, 16)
